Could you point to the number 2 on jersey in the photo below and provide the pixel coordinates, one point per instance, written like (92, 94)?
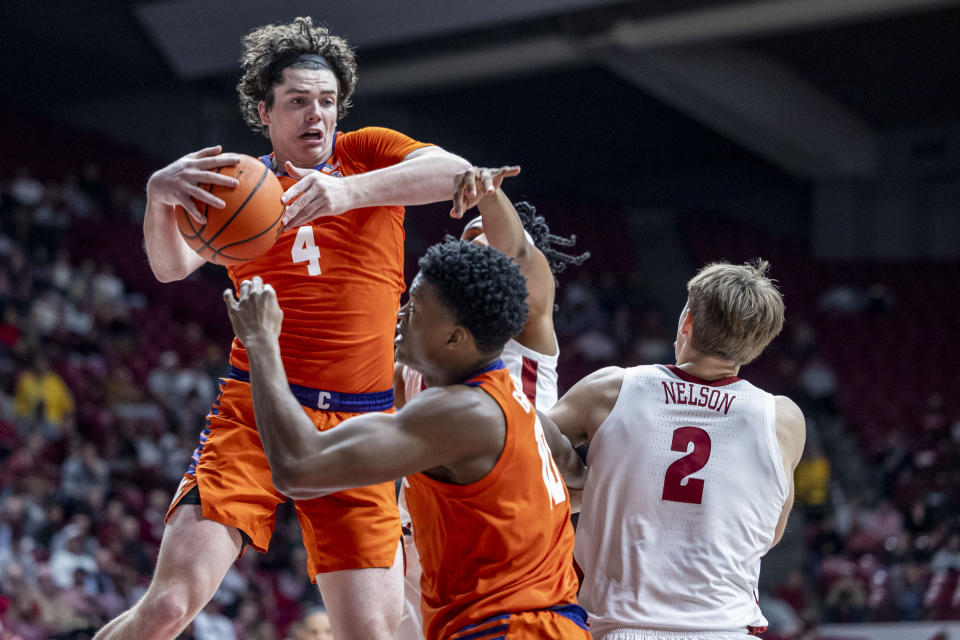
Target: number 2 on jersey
(692, 491)
(306, 250)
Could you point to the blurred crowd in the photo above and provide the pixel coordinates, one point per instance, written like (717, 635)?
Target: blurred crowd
(104, 385)
(94, 435)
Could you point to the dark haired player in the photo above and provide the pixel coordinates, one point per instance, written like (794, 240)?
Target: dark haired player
(531, 355)
(472, 446)
(338, 273)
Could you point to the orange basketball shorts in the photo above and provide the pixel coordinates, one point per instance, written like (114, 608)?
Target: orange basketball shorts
(353, 529)
(565, 622)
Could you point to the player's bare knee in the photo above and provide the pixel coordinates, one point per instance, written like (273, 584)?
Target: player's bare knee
(171, 608)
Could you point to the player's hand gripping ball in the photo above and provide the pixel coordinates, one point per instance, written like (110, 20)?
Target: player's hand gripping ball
(249, 224)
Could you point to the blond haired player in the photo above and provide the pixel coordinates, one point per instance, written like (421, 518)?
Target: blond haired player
(690, 471)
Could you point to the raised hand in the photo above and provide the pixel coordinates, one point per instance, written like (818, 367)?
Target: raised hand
(475, 184)
(256, 316)
(178, 182)
(314, 195)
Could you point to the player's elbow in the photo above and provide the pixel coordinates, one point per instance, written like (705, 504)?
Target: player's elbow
(168, 270)
(290, 480)
(167, 275)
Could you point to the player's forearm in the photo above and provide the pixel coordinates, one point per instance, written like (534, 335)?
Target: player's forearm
(169, 256)
(287, 434)
(421, 180)
(564, 455)
(502, 226)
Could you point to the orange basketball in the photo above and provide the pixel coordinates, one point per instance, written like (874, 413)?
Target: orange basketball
(244, 229)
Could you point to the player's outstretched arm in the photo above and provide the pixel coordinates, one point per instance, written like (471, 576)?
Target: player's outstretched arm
(169, 256)
(422, 177)
(439, 427)
(582, 409)
(504, 231)
(564, 455)
(792, 436)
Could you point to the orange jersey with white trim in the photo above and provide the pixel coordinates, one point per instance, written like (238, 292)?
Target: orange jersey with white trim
(339, 279)
(501, 544)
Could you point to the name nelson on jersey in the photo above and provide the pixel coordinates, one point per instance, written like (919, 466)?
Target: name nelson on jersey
(687, 393)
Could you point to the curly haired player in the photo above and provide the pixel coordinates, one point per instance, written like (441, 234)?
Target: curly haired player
(338, 274)
(473, 449)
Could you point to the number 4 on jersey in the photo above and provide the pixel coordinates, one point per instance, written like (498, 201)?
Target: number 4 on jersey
(306, 250)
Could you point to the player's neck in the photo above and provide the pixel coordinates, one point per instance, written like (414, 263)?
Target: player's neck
(457, 374)
(280, 160)
(707, 367)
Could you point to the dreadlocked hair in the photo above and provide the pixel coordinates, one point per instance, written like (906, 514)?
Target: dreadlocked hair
(539, 230)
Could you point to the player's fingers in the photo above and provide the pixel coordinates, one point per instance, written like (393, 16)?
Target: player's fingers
(488, 186)
(256, 284)
(301, 218)
(206, 151)
(509, 171)
(244, 289)
(204, 196)
(269, 292)
(211, 177)
(194, 212)
(230, 300)
(295, 171)
(294, 192)
(295, 209)
(219, 160)
(472, 179)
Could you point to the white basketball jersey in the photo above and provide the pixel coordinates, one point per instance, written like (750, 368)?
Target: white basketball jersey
(685, 486)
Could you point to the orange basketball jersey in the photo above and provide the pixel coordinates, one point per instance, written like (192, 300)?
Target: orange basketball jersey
(339, 279)
(503, 544)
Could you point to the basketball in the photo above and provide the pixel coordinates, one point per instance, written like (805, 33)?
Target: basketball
(247, 226)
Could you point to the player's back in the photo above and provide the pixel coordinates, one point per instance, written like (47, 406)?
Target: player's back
(339, 279)
(684, 490)
(500, 545)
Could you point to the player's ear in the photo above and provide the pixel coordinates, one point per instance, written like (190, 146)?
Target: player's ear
(686, 323)
(264, 112)
(458, 337)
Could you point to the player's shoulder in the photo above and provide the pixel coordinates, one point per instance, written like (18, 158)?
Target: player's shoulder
(599, 389)
(466, 402)
(791, 427)
(367, 133)
(453, 410)
(605, 377)
(787, 411)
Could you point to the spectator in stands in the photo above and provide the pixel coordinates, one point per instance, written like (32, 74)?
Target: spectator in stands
(812, 480)
(316, 626)
(41, 392)
(948, 557)
(908, 582)
(819, 384)
(83, 470)
(846, 600)
(66, 561)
